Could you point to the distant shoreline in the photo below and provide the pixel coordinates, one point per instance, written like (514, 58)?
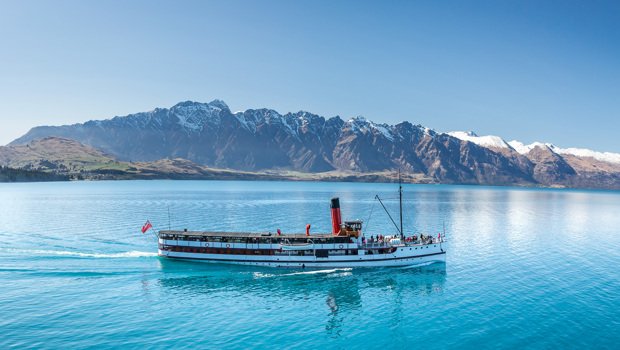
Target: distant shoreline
(320, 177)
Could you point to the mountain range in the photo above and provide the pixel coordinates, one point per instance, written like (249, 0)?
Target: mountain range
(259, 140)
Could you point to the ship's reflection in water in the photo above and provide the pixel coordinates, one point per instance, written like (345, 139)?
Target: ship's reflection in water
(338, 294)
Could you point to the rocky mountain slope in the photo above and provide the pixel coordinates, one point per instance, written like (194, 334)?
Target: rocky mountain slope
(554, 166)
(264, 140)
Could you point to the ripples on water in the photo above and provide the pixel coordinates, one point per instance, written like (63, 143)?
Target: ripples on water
(526, 268)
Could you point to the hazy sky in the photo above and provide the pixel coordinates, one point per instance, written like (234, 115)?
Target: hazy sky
(538, 70)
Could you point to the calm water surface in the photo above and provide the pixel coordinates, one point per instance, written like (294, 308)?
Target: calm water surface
(526, 268)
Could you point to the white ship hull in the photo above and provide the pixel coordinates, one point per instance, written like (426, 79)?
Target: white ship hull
(404, 255)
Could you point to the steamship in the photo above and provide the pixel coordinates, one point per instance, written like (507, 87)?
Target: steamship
(344, 247)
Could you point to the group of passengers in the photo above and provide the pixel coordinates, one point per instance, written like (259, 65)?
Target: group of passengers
(424, 239)
(413, 239)
(380, 239)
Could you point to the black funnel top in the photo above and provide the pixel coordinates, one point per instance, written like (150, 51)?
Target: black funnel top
(335, 203)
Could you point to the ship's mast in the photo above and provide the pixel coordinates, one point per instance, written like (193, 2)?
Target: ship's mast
(400, 197)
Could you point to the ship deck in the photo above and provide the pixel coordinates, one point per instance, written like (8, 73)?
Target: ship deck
(244, 234)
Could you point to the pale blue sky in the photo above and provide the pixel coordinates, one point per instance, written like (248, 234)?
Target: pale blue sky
(544, 71)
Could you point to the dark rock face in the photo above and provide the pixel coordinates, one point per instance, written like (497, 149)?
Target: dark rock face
(550, 167)
(262, 139)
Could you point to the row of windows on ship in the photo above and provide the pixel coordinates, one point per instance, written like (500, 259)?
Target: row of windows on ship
(261, 240)
(318, 253)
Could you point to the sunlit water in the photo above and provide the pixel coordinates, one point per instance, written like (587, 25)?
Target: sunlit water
(526, 268)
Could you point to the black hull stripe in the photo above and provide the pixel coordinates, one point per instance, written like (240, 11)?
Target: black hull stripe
(300, 262)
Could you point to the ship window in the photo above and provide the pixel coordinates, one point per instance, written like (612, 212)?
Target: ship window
(321, 253)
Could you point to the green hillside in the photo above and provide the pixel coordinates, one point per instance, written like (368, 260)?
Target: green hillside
(20, 175)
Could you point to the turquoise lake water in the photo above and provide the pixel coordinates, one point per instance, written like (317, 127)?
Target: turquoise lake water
(526, 268)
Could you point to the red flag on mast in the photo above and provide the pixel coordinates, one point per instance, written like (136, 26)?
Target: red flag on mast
(146, 226)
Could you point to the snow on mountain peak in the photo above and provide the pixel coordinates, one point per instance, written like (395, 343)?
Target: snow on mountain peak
(523, 149)
(219, 104)
(577, 152)
(361, 124)
(484, 141)
(358, 120)
(193, 116)
(582, 152)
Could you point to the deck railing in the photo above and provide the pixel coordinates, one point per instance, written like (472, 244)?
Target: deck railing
(369, 245)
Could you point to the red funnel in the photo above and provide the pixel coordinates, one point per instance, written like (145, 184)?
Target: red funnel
(336, 219)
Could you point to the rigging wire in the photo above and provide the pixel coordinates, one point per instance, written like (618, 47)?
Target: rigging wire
(388, 213)
(369, 216)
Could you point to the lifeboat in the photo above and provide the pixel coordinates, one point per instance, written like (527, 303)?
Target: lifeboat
(302, 246)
